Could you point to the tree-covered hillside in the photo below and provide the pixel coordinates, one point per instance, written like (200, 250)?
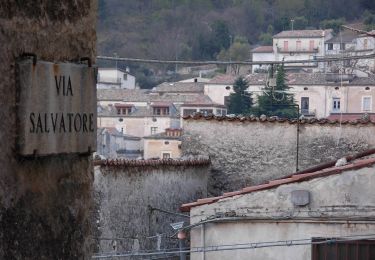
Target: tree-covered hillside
(198, 29)
(205, 29)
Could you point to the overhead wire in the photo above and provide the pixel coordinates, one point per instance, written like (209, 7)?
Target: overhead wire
(241, 246)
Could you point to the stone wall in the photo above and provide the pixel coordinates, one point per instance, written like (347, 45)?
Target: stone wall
(249, 152)
(44, 202)
(126, 193)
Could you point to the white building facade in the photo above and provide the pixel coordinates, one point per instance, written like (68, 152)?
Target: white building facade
(112, 78)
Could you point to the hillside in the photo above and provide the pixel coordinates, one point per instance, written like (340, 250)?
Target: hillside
(200, 29)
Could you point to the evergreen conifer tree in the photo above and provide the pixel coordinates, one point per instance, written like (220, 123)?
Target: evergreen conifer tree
(274, 101)
(240, 101)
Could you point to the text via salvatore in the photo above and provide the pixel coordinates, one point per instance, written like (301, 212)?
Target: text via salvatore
(61, 122)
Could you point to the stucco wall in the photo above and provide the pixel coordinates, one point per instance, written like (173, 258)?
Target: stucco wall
(123, 197)
(340, 205)
(44, 202)
(246, 153)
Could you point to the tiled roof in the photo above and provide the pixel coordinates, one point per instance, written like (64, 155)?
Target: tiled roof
(301, 34)
(309, 79)
(275, 183)
(275, 119)
(223, 79)
(119, 163)
(162, 136)
(135, 95)
(142, 95)
(343, 37)
(351, 116)
(180, 87)
(263, 49)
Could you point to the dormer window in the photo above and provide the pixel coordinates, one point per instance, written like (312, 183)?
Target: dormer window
(161, 111)
(123, 109)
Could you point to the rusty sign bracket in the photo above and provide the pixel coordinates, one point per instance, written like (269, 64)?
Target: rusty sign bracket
(29, 54)
(86, 59)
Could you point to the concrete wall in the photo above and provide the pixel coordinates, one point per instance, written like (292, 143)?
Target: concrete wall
(124, 194)
(218, 92)
(246, 153)
(341, 205)
(44, 202)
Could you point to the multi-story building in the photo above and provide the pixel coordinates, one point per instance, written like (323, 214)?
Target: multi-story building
(166, 145)
(143, 113)
(322, 95)
(112, 78)
(301, 45)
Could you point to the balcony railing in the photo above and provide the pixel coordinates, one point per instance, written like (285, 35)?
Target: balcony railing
(308, 112)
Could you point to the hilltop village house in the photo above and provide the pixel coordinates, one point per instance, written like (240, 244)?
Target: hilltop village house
(320, 95)
(312, 44)
(146, 113)
(321, 213)
(115, 78)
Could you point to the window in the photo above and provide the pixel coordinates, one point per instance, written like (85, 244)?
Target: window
(166, 155)
(348, 250)
(366, 104)
(311, 46)
(304, 105)
(298, 45)
(342, 46)
(336, 105)
(330, 46)
(206, 111)
(162, 111)
(365, 44)
(285, 45)
(154, 130)
(124, 110)
(125, 76)
(188, 112)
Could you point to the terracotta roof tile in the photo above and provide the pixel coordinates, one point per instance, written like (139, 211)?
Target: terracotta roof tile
(301, 33)
(273, 119)
(159, 162)
(263, 49)
(292, 179)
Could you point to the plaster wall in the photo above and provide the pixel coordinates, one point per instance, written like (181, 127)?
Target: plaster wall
(154, 148)
(247, 153)
(258, 56)
(44, 202)
(340, 205)
(218, 92)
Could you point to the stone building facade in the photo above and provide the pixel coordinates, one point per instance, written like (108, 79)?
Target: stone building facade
(248, 151)
(44, 202)
(130, 194)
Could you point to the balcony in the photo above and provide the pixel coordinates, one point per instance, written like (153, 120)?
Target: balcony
(297, 50)
(308, 112)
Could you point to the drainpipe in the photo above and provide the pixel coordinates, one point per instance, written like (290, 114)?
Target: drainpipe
(203, 238)
(181, 242)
